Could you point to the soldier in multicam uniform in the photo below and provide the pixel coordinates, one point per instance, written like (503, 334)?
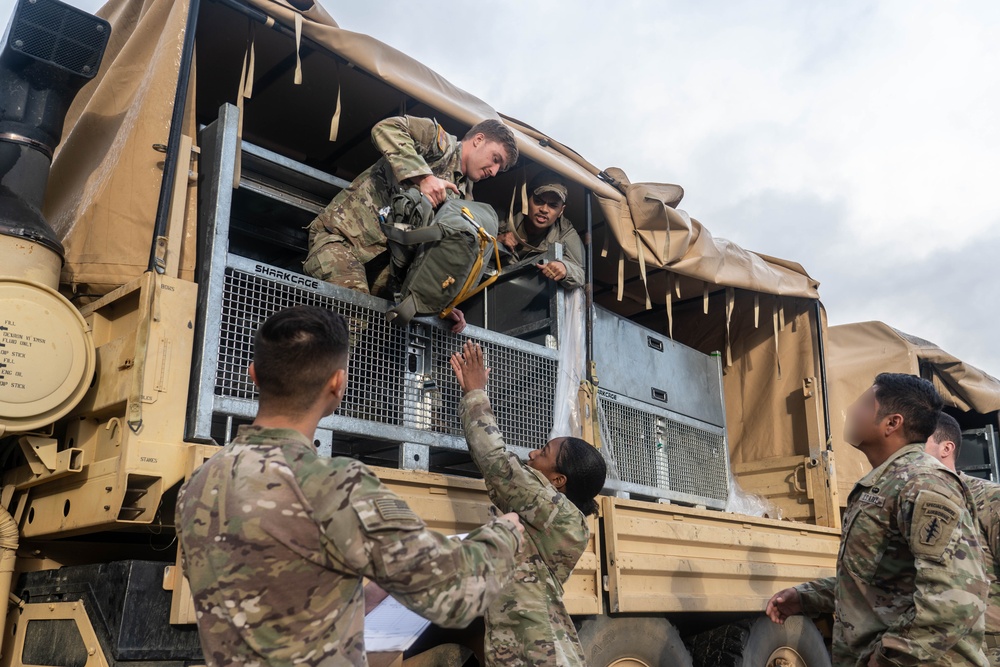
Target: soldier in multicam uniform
(945, 445)
(345, 240)
(276, 539)
(553, 494)
(910, 583)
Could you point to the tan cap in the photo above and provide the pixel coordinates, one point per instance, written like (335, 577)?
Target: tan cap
(549, 181)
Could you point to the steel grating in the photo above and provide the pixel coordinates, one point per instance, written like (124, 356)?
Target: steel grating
(697, 461)
(381, 390)
(377, 349)
(654, 451)
(522, 390)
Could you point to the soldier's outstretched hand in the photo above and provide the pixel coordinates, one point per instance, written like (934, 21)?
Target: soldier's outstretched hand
(469, 367)
(458, 317)
(784, 604)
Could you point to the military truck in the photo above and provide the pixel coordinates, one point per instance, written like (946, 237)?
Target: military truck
(971, 396)
(201, 144)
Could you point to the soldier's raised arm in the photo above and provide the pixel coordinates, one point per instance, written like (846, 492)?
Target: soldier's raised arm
(950, 584)
(511, 485)
(375, 534)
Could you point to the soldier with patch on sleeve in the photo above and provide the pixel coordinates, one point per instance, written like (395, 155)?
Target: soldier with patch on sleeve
(346, 243)
(910, 587)
(945, 445)
(275, 539)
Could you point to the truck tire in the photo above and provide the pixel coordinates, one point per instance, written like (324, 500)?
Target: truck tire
(633, 641)
(758, 642)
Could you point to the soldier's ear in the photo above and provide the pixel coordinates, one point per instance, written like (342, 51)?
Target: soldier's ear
(948, 448)
(253, 373)
(893, 423)
(558, 481)
(338, 383)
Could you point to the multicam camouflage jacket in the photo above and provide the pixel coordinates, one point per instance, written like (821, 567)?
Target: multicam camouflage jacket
(276, 540)
(910, 584)
(528, 623)
(410, 147)
(987, 497)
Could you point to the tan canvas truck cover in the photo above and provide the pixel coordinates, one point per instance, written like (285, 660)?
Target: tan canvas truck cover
(652, 261)
(856, 353)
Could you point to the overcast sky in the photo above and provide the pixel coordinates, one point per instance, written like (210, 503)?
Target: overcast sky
(858, 138)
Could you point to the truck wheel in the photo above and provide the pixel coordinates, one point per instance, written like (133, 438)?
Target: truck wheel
(634, 641)
(760, 643)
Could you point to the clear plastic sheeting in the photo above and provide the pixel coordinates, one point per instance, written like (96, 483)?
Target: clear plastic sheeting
(741, 502)
(572, 363)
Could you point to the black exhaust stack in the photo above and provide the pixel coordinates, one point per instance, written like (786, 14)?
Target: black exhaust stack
(49, 52)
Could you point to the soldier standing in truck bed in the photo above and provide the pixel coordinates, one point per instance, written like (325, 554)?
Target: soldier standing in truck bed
(345, 240)
(276, 538)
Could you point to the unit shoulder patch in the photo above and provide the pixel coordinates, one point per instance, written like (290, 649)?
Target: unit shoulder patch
(935, 518)
(442, 139)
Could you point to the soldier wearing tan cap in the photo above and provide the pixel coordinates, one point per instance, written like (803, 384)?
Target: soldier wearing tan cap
(531, 235)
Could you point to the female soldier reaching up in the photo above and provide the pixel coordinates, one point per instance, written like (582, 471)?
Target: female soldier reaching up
(553, 494)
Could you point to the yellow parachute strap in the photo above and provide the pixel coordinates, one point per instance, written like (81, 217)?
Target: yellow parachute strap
(492, 279)
(468, 289)
(704, 297)
(756, 310)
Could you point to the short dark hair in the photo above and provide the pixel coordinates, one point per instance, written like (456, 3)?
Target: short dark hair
(496, 131)
(948, 430)
(585, 472)
(295, 351)
(912, 397)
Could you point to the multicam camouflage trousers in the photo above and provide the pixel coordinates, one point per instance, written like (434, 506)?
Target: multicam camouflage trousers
(336, 263)
(991, 646)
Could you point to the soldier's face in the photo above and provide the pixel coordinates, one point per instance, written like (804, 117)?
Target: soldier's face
(483, 159)
(862, 419)
(544, 460)
(544, 210)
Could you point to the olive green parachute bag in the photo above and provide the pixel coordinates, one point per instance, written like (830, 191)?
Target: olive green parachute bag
(439, 259)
